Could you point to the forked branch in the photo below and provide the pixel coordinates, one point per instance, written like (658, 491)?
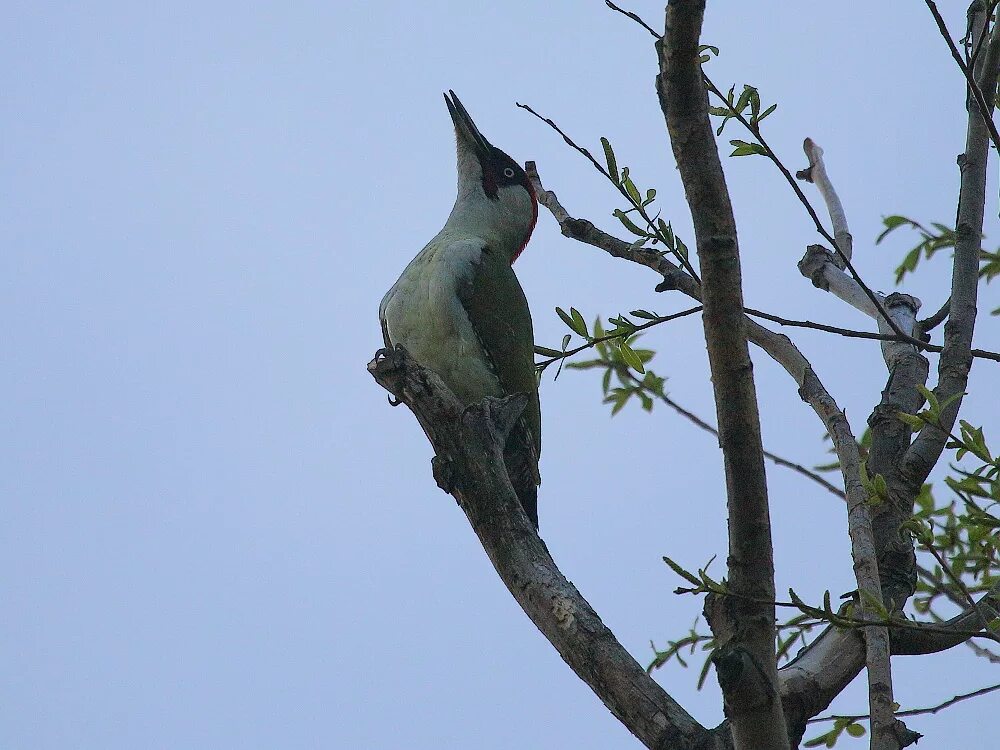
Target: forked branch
(469, 464)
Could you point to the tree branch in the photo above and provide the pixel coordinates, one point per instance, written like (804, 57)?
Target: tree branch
(985, 109)
(745, 661)
(469, 464)
(956, 360)
(827, 665)
(816, 174)
(882, 556)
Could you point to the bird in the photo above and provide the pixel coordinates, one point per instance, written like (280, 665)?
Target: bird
(458, 307)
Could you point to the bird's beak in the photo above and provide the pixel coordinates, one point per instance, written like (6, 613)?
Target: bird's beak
(466, 131)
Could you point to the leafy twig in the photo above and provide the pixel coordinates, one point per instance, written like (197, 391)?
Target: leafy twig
(615, 335)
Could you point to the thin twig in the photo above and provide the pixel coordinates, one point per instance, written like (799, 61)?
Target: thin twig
(930, 323)
(913, 711)
(957, 580)
(755, 131)
(955, 599)
(634, 16)
(843, 621)
(614, 181)
(984, 109)
(850, 333)
(702, 424)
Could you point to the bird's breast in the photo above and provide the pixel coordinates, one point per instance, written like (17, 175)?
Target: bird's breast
(423, 312)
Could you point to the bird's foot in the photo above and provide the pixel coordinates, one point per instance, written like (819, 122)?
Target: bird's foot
(385, 360)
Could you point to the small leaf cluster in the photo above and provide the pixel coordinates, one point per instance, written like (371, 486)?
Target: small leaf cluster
(864, 447)
(931, 241)
(614, 347)
(965, 532)
(939, 237)
(655, 228)
(703, 583)
(748, 102)
(876, 486)
(840, 725)
(689, 643)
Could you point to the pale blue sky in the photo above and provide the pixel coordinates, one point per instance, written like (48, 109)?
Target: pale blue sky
(216, 534)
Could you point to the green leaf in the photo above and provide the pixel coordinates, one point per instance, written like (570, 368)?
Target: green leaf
(911, 419)
(628, 224)
(745, 96)
(855, 730)
(631, 358)
(747, 149)
(575, 322)
(581, 324)
(619, 397)
(704, 672)
(909, 264)
(892, 223)
(689, 577)
(874, 605)
(681, 248)
(828, 740)
(631, 190)
(644, 314)
(609, 155)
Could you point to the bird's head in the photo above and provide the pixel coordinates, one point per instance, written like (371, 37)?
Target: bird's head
(493, 190)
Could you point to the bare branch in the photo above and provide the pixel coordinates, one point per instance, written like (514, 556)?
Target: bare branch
(745, 659)
(985, 108)
(915, 711)
(816, 174)
(853, 334)
(635, 17)
(469, 462)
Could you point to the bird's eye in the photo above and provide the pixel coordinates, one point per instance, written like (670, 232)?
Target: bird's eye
(508, 173)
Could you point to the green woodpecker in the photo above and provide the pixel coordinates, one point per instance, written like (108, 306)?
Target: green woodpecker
(458, 307)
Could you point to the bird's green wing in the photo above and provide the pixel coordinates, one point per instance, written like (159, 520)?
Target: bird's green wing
(498, 311)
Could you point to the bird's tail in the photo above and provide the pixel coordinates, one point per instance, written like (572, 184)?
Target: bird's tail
(522, 467)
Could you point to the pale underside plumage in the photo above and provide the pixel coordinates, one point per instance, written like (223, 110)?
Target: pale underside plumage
(459, 310)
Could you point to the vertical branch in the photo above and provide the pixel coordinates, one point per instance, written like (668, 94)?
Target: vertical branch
(884, 563)
(956, 357)
(745, 661)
